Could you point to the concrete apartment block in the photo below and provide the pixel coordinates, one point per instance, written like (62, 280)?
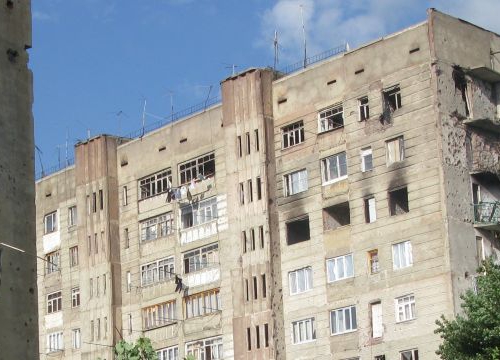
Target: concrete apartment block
(334, 212)
(18, 310)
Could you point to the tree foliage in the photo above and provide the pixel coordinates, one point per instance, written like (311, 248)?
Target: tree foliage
(475, 334)
(141, 350)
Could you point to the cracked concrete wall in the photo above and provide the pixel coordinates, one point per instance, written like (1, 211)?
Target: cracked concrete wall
(18, 290)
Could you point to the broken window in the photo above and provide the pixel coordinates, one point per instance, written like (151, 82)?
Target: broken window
(463, 86)
(391, 102)
(155, 184)
(364, 109)
(373, 261)
(331, 118)
(297, 231)
(394, 150)
(50, 221)
(295, 182)
(201, 258)
(292, 134)
(370, 210)
(366, 159)
(334, 168)
(336, 216)
(409, 354)
(53, 261)
(159, 315)
(340, 267)
(197, 169)
(398, 201)
(199, 213)
(300, 280)
(157, 227)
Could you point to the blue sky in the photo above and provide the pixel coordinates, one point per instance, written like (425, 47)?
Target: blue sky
(96, 61)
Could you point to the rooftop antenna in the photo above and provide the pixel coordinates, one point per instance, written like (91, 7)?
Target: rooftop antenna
(39, 152)
(66, 144)
(171, 93)
(347, 47)
(276, 50)
(208, 96)
(143, 117)
(303, 34)
(58, 147)
(231, 66)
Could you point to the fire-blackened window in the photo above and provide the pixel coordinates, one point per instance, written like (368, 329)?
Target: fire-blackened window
(336, 216)
(398, 201)
(297, 231)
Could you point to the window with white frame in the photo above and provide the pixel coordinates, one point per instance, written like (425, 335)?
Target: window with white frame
(392, 98)
(402, 255)
(300, 280)
(170, 353)
(155, 184)
(206, 349)
(295, 182)
(343, 320)
(200, 213)
(125, 196)
(202, 303)
(75, 297)
(366, 159)
(72, 216)
(331, 118)
(50, 222)
(376, 318)
(73, 256)
(76, 338)
(52, 262)
(55, 341)
(201, 258)
(303, 331)
(54, 302)
(197, 169)
(409, 354)
(370, 210)
(157, 271)
(159, 226)
(364, 108)
(334, 168)
(159, 315)
(394, 150)
(292, 134)
(405, 308)
(340, 267)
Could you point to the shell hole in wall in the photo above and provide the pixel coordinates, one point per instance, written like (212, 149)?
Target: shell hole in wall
(10, 4)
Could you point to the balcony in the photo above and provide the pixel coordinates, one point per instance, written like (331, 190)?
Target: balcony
(487, 215)
(198, 232)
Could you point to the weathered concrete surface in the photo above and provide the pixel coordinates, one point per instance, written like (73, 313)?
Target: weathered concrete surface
(18, 291)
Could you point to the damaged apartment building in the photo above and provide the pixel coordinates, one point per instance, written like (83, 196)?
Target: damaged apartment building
(334, 212)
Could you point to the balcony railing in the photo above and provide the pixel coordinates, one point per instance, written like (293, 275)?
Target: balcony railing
(487, 215)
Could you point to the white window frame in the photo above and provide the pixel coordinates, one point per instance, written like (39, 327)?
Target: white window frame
(72, 216)
(155, 184)
(371, 209)
(53, 262)
(328, 118)
(203, 212)
(394, 150)
(393, 91)
(295, 182)
(402, 255)
(364, 108)
(412, 352)
(75, 297)
(169, 353)
(157, 227)
(303, 331)
(76, 338)
(405, 308)
(55, 342)
(159, 315)
(73, 256)
(341, 323)
(196, 169)
(338, 269)
(294, 278)
(327, 176)
(198, 348)
(54, 302)
(365, 153)
(292, 134)
(203, 303)
(201, 258)
(50, 222)
(157, 271)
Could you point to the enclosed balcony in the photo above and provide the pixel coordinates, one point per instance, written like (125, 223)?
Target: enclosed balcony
(487, 215)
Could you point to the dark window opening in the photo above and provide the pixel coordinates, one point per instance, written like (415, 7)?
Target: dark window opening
(264, 287)
(297, 231)
(259, 188)
(238, 145)
(94, 202)
(364, 109)
(256, 131)
(252, 238)
(391, 102)
(247, 297)
(247, 136)
(336, 216)
(244, 241)
(461, 85)
(398, 201)
(257, 337)
(266, 335)
(249, 340)
(101, 199)
(261, 236)
(255, 288)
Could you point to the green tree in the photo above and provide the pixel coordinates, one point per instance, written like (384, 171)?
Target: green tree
(475, 335)
(141, 350)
